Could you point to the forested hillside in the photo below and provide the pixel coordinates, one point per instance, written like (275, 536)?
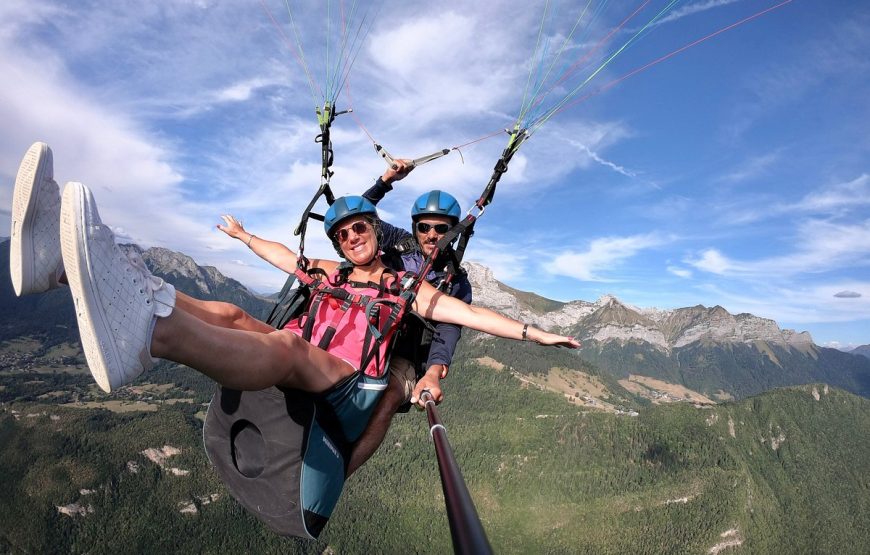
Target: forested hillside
(784, 472)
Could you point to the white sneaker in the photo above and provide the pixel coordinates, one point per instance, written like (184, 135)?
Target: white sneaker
(116, 297)
(34, 251)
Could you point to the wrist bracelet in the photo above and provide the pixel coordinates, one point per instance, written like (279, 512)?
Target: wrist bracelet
(251, 238)
(525, 332)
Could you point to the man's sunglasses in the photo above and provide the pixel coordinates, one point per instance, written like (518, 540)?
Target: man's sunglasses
(358, 227)
(440, 229)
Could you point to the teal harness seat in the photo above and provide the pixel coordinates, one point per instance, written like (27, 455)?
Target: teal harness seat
(283, 453)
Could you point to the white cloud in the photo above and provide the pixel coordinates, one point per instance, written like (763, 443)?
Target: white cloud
(598, 159)
(680, 272)
(712, 261)
(432, 85)
(835, 198)
(752, 168)
(692, 9)
(846, 347)
(602, 255)
(820, 246)
(502, 259)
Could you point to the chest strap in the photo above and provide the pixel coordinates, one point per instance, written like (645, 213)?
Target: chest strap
(379, 329)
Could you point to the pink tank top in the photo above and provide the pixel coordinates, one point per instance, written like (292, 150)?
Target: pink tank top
(351, 327)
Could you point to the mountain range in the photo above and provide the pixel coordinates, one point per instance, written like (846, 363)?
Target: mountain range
(706, 350)
(608, 319)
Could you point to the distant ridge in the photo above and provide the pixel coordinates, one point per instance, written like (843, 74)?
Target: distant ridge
(708, 350)
(609, 319)
(863, 350)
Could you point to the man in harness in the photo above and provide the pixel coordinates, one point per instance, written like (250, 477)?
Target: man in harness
(423, 355)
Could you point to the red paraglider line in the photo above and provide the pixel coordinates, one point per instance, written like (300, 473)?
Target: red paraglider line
(618, 80)
(291, 46)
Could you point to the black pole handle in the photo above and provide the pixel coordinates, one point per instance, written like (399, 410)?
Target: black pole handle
(469, 537)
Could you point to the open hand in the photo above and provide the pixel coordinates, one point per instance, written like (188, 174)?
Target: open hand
(554, 340)
(233, 227)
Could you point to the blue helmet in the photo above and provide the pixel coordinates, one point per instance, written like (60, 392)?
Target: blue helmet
(436, 203)
(345, 207)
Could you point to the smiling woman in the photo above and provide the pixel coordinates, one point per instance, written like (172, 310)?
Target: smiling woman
(126, 315)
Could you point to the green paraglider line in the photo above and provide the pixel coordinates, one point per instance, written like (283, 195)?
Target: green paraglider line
(537, 124)
(335, 72)
(588, 54)
(297, 51)
(671, 54)
(534, 56)
(530, 112)
(356, 45)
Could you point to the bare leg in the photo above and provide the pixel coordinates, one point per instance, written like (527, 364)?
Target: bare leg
(225, 315)
(246, 360)
(220, 314)
(377, 427)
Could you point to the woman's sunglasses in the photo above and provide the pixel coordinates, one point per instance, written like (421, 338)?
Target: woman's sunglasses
(440, 229)
(358, 227)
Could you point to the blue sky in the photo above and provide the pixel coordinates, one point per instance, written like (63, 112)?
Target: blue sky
(735, 173)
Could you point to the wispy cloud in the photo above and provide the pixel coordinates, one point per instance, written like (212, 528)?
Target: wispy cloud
(834, 199)
(680, 272)
(821, 246)
(694, 8)
(603, 255)
(790, 302)
(687, 10)
(776, 86)
(752, 168)
(504, 262)
(598, 159)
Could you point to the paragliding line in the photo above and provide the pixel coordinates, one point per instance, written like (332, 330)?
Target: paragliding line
(297, 50)
(683, 48)
(588, 54)
(465, 528)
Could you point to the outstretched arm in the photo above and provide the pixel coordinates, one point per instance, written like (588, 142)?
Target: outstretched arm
(276, 254)
(436, 305)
